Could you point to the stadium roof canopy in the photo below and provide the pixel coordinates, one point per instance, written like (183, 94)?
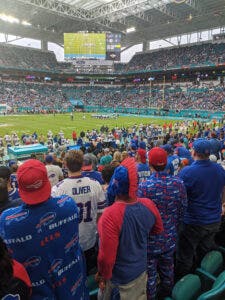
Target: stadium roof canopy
(153, 19)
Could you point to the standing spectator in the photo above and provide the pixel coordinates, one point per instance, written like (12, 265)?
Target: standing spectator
(123, 230)
(169, 195)
(43, 235)
(173, 160)
(9, 197)
(90, 198)
(215, 145)
(87, 169)
(54, 172)
(142, 167)
(204, 182)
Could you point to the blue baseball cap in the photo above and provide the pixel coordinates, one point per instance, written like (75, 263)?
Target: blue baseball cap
(142, 145)
(202, 146)
(167, 147)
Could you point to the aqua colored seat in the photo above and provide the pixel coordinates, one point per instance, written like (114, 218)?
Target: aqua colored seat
(92, 286)
(212, 262)
(217, 291)
(211, 267)
(187, 288)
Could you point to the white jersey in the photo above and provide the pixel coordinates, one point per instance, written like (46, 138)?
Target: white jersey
(90, 199)
(54, 174)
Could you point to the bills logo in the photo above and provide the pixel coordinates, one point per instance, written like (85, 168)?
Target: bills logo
(76, 285)
(71, 243)
(62, 201)
(11, 297)
(45, 220)
(33, 261)
(55, 266)
(17, 217)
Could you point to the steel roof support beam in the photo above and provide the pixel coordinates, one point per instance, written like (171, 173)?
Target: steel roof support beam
(59, 8)
(120, 5)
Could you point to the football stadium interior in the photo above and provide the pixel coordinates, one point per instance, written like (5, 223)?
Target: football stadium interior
(138, 88)
(185, 77)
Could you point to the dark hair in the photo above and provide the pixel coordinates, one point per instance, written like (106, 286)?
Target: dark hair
(159, 168)
(107, 173)
(3, 191)
(8, 283)
(6, 269)
(203, 156)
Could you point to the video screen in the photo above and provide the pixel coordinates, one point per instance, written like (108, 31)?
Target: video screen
(85, 45)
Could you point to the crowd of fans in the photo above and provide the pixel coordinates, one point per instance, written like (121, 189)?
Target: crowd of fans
(42, 97)
(136, 186)
(28, 58)
(183, 56)
(35, 97)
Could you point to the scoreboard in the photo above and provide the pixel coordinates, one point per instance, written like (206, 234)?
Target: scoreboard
(113, 46)
(85, 45)
(92, 46)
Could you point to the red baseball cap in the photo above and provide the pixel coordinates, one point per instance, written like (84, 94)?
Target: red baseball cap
(157, 157)
(142, 154)
(34, 186)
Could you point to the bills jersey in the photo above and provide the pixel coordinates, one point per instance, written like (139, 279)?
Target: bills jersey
(90, 198)
(13, 180)
(143, 172)
(44, 238)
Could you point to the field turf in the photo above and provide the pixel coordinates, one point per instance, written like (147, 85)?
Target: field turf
(42, 123)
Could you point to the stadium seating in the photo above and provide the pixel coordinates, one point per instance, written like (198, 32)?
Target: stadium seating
(28, 96)
(188, 288)
(203, 54)
(26, 58)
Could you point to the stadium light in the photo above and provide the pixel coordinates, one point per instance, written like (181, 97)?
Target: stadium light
(25, 23)
(131, 29)
(9, 19)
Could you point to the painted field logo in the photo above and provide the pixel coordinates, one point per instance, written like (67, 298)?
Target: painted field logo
(33, 261)
(17, 217)
(45, 220)
(62, 201)
(55, 266)
(71, 243)
(76, 285)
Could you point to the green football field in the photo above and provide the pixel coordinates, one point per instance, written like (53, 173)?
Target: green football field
(42, 123)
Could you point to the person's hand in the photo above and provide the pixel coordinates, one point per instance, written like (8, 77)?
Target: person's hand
(101, 281)
(223, 209)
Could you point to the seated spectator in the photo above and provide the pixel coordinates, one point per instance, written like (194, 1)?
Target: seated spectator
(15, 281)
(43, 235)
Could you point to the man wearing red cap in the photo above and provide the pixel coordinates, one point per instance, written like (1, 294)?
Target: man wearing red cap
(42, 234)
(169, 195)
(142, 167)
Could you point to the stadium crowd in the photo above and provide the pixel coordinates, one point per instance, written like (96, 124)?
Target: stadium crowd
(41, 97)
(182, 56)
(28, 58)
(142, 188)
